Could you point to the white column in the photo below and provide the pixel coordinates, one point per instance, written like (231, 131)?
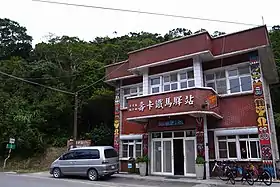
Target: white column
(198, 72)
(207, 171)
(146, 82)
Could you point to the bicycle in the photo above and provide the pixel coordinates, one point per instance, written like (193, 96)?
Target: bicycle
(261, 174)
(246, 173)
(224, 171)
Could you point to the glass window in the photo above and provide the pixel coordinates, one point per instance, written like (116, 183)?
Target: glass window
(249, 148)
(184, 85)
(246, 83)
(167, 135)
(155, 90)
(166, 87)
(110, 153)
(234, 85)
(230, 81)
(191, 83)
(68, 156)
(130, 92)
(221, 86)
(131, 148)
(232, 73)
(183, 76)
(173, 77)
(156, 135)
(155, 81)
(209, 77)
(244, 70)
(174, 86)
(190, 74)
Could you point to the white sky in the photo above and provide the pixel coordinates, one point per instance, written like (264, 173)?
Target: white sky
(40, 19)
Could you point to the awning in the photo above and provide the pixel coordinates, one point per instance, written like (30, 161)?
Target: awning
(131, 137)
(243, 131)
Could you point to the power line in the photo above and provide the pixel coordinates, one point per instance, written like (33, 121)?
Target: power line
(82, 89)
(149, 13)
(35, 83)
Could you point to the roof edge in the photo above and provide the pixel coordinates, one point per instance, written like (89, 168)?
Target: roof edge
(116, 63)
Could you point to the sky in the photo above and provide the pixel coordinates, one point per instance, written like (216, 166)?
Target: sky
(41, 19)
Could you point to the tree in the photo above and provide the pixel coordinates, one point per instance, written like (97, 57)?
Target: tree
(14, 41)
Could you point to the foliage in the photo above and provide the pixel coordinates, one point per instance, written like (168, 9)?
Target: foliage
(38, 117)
(143, 158)
(199, 160)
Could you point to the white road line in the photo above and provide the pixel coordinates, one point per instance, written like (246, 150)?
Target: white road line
(101, 184)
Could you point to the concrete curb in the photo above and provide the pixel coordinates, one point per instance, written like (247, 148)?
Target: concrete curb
(182, 180)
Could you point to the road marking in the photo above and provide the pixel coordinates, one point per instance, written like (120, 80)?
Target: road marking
(101, 184)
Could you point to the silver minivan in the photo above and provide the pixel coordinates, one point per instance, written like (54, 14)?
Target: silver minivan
(93, 162)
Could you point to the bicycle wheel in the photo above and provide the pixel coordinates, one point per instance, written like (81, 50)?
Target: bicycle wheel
(222, 174)
(249, 178)
(266, 178)
(231, 178)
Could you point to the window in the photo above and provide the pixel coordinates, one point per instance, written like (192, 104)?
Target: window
(232, 80)
(172, 81)
(130, 92)
(68, 156)
(110, 153)
(131, 148)
(87, 154)
(239, 147)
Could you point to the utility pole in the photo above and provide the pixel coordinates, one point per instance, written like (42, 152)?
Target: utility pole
(75, 119)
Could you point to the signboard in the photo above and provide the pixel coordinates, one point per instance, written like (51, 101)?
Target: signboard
(12, 141)
(162, 103)
(212, 101)
(81, 143)
(170, 123)
(11, 146)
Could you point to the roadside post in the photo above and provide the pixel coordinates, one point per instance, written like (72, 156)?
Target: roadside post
(11, 145)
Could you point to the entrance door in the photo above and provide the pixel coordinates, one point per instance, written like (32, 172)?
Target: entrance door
(178, 147)
(190, 155)
(162, 157)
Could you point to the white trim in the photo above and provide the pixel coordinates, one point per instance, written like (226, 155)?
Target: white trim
(176, 114)
(131, 136)
(109, 65)
(172, 91)
(230, 132)
(216, 129)
(119, 78)
(170, 60)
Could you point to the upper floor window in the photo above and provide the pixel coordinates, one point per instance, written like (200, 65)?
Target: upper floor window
(172, 81)
(232, 80)
(131, 91)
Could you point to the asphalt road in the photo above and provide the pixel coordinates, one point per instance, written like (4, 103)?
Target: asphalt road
(45, 180)
(14, 180)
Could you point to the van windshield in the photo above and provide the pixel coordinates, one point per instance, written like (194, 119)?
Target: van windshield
(110, 153)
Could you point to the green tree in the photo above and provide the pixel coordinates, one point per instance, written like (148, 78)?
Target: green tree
(14, 41)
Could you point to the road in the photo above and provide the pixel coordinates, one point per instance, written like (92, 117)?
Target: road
(23, 180)
(33, 180)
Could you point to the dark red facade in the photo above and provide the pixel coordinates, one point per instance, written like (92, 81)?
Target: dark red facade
(191, 106)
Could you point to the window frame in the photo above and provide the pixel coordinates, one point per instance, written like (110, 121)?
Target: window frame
(228, 78)
(125, 96)
(131, 143)
(238, 139)
(178, 82)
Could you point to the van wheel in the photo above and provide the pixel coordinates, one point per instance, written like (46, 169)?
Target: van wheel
(92, 175)
(56, 173)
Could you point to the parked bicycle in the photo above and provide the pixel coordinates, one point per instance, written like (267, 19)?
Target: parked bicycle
(261, 175)
(244, 172)
(223, 171)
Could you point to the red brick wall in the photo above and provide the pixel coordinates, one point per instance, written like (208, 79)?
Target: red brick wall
(130, 127)
(238, 111)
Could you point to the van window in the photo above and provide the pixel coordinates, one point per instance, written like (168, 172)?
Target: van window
(87, 154)
(68, 156)
(110, 153)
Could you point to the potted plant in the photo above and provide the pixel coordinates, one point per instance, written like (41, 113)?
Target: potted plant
(142, 161)
(199, 167)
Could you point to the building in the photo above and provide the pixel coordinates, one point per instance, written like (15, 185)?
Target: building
(196, 96)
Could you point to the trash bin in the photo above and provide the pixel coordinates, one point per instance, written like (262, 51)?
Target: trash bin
(131, 165)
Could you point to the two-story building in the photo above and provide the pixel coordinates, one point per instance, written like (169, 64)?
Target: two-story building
(196, 96)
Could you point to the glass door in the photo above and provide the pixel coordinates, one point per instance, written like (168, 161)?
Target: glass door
(190, 155)
(157, 157)
(162, 162)
(167, 157)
